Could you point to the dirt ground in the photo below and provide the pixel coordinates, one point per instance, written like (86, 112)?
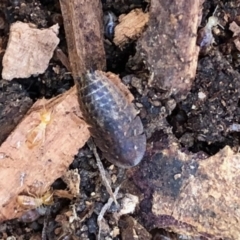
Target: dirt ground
(204, 122)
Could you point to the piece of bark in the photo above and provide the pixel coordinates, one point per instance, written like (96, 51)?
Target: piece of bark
(22, 168)
(168, 46)
(29, 50)
(212, 196)
(209, 199)
(84, 33)
(188, 194)
(14, 103)
(130, 26)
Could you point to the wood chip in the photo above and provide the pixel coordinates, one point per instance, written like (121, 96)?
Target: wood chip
(23, 168)
(168, 46)
(84, 34)
(208, 200)
(29, 50)
(234, 28)
(130, 26)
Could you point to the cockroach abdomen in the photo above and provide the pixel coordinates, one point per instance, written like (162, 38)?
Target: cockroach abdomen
(205, 37)
(114, 126)
(30, 216)
(109, 24)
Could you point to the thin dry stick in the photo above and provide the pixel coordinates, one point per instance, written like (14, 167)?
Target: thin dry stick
(102, 171)
(45, 224)
(104, 209)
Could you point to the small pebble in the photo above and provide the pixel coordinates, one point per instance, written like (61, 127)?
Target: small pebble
(156, 103)
(139, 105)
(201, 95)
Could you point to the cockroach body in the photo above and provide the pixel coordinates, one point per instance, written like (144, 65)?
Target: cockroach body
(37, 134)
(110, 21)
(205, 37)
(114, 124)
(30, 216)
(31, 202)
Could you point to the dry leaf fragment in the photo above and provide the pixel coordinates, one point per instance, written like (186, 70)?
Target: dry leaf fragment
(72, 179)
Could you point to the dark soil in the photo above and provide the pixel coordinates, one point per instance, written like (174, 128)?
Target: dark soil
(200, 124)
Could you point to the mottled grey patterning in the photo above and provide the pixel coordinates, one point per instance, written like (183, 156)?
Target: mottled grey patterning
(114, 124)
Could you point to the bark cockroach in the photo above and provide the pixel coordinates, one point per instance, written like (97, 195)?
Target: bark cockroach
(113, 121)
